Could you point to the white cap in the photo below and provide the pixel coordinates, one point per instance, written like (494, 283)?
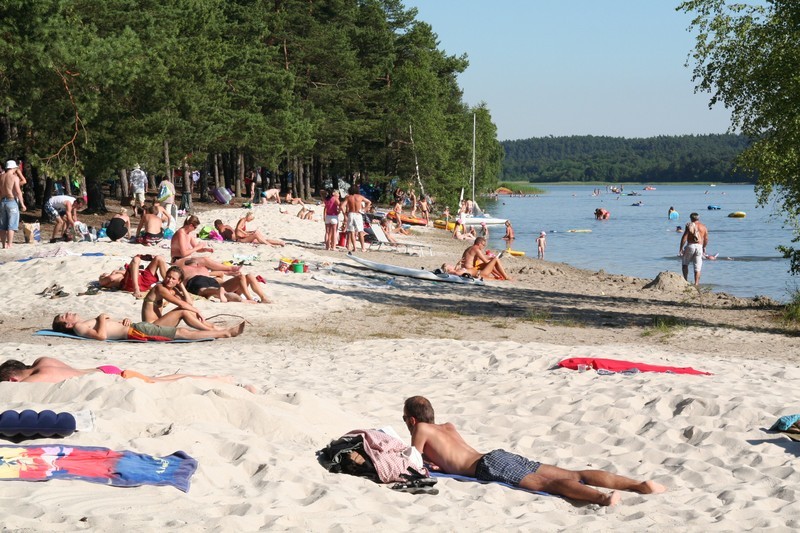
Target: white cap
(543, 234)
(11, 164)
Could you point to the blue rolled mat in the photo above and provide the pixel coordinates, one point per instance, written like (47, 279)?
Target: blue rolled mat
(29, 423)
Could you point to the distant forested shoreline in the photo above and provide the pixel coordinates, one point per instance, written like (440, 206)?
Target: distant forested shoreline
(684, 158)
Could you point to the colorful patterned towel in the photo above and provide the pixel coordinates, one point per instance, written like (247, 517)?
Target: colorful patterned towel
(96, 465)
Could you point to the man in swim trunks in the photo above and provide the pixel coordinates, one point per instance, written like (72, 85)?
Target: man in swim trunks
(443, 447)
(693, 245)
(150, 229)
(354, 205)
(185, 243)
(478, 264)
(105, 328)
(51, 370)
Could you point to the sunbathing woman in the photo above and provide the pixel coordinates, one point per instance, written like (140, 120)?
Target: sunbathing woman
(242, 234)
(173, 291)
(131, 278)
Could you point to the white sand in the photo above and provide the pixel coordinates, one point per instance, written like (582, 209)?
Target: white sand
(701, 436)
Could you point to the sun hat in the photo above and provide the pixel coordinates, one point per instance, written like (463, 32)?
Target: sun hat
(11, 164)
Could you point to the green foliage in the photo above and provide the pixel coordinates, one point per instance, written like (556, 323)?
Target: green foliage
(93, 86)
(747, 58)
(791, 312)
(687, 158)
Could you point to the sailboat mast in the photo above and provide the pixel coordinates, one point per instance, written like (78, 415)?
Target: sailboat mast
(473, 156)
(416, 163)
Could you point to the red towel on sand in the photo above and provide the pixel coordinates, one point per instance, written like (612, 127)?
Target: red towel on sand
(615, 365)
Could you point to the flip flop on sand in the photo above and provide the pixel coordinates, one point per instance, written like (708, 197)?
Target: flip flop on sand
(417, 486)
(49, 291)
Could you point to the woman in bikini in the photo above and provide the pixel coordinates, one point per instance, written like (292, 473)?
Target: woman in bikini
(171, 290)
(242, 234)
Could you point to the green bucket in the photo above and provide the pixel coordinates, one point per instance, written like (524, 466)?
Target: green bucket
(297, 268)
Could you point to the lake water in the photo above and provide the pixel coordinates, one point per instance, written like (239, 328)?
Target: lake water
(641, 241)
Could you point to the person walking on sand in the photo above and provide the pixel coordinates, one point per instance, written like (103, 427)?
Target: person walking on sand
(354, 205)
(478, 264)
(138, 183)
(541, 245)
(694, 241)
(10, 193)
(446, 450)
(105, 328)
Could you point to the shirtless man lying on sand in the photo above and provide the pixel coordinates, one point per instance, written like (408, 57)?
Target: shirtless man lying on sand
(105, 328)
(441, 445)
(51, 370)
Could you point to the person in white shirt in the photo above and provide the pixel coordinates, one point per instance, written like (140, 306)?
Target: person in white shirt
(138, 183)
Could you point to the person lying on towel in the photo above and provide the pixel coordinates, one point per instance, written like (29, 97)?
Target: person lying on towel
(105, 328)
(445, 450)
(51, 370)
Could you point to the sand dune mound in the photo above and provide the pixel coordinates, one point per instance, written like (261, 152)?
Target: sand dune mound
(667, 281)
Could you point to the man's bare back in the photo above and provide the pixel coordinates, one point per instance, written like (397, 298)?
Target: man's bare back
(443, 446)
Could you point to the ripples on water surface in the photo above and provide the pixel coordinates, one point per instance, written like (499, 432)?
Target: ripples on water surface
(641, 241)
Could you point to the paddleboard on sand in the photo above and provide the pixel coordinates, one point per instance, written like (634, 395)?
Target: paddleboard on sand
(417, 273)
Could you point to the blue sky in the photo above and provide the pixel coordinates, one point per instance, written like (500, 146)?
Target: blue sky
(576, 67)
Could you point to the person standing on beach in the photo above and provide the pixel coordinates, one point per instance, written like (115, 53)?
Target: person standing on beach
(541, 245)
(332, 207)
(138, 183)
(10, 193)
(446, 450)
(509, 236)
(354, 205)
(694, 241)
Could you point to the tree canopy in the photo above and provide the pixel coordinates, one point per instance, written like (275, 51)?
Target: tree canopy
(747, 57)
(94, 86)
(706, 158)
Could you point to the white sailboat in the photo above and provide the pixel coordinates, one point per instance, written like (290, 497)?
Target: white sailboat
(477, 217)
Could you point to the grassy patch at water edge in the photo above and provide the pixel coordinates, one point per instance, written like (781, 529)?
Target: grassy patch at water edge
(791, 312)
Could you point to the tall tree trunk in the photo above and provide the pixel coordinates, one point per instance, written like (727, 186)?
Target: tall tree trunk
(204, 175)
(167, 166)
(240, 173)
(307, 179)
(216, 169)
(123, 182)
(186, 197)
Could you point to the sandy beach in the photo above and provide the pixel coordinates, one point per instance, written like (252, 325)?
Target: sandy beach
(341, 348)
